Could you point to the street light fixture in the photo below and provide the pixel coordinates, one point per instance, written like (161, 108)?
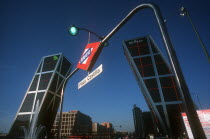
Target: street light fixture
(74, 30)
(183, 12)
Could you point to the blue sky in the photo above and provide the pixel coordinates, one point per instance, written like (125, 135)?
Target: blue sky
(31, 30)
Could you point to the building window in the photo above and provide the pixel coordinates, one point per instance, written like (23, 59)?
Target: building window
(162, 68)
(65, 66)
(28, 103)
(44, 81)
(145, 66)
(169, 89)
(50, 63)
(153, 89)
(34, 83)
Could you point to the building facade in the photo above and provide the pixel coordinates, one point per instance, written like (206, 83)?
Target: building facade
(43, 95)
(74, 123)
(96, 129)
(138, 122)
(157, 83)
(108, 128)
(149, 127)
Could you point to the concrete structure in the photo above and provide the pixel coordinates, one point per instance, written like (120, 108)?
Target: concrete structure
(105, 130)
(45, 87)
(138, 122)
(107, 125)
(108, 128)
(96, 129)
(157, 83)
(73, 123)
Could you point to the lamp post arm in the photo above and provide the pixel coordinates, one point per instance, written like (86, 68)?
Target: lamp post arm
(195, 124)
(91, 32)
(135, 10)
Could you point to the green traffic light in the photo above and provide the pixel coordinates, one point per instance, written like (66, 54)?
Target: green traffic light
(73, 30)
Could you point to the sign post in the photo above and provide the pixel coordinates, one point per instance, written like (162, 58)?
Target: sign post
(86, 62)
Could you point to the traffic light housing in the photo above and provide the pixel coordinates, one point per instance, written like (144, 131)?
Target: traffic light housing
(73, 30)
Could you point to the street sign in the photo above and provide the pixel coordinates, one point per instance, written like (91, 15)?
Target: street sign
(91, 76)
(89, 56)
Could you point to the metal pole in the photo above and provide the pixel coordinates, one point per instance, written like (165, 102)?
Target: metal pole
(91, 32)
(61, 103)
(195, 124)
(183, 12)
(199, 38)
(199, 101)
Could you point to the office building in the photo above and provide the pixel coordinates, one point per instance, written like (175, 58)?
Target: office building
(149, 125)
(138, 122)
(46, 87)
(74, 123)
(158, 84)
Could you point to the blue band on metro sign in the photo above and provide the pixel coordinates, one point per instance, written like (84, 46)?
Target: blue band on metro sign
(89, 56)
(85, 55)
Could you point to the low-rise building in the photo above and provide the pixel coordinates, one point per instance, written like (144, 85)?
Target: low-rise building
(73, 123)
(109, 127)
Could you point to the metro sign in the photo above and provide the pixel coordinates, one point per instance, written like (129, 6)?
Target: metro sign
(85, 56)
(89, 56)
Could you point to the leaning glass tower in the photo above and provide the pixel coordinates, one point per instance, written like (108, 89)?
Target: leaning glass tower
(157, 83)
(46, 87)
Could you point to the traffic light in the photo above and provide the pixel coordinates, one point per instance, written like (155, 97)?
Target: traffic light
(73, 30)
